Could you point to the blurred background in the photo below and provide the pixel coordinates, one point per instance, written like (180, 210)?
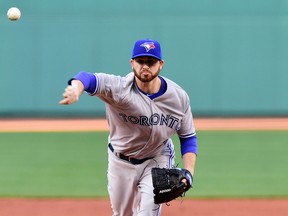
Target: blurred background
(229, 55)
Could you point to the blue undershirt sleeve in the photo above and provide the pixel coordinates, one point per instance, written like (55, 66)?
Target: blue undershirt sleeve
(189, 144)
(88, 79)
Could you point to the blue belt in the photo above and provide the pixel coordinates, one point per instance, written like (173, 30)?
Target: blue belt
(127, 158)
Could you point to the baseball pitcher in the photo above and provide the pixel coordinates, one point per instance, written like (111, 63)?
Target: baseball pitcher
(144, 110)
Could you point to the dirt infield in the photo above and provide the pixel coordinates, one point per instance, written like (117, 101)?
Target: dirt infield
(13, 125)
(66, 207)
(100, 207)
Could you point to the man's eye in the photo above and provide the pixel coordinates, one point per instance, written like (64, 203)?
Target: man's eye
(151, 62)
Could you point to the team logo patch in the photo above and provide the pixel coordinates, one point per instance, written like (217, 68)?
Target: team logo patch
(148, 46)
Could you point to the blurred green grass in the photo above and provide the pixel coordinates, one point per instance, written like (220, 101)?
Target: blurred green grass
(229, 164)
(242, 164)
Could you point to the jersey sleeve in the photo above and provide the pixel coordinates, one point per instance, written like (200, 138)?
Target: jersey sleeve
(189, 145)
(112, 88)
(187, 128)
(107, 87)
(88, 79)
(187, 132)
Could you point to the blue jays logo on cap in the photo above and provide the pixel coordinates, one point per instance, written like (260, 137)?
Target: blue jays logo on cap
(147, 47)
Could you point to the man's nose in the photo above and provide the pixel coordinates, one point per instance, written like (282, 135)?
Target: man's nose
(145, 66)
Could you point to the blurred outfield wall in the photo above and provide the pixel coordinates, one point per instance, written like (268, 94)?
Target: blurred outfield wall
(231, 56)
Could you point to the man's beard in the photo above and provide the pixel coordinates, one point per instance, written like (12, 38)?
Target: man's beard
(146, 78)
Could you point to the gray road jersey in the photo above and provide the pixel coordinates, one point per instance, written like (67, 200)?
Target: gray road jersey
(139, 126)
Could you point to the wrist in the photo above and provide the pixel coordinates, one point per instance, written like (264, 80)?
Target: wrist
(189, 177)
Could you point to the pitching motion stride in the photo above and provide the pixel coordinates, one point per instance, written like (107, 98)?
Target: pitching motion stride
(144, 110)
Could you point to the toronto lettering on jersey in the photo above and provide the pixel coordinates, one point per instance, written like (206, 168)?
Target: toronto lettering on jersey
(154, 119)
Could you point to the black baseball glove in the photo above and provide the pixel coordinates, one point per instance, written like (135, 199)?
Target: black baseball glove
(168, 184)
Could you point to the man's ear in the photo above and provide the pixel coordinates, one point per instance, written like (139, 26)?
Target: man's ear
(131, 63)
(162, 64)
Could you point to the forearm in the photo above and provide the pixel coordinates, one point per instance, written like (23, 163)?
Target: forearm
(87, 79)
(78, 86)
(189, 161)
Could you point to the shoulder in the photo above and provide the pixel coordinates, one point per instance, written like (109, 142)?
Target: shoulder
(111, 77)
(114, 86)
(106, 80)
(175, 88)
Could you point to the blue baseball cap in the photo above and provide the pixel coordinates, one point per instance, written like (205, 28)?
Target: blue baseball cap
(147, 47)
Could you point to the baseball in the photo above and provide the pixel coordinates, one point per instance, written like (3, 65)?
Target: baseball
(14, 13)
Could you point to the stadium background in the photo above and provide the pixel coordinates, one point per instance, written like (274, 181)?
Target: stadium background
(230, 56)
